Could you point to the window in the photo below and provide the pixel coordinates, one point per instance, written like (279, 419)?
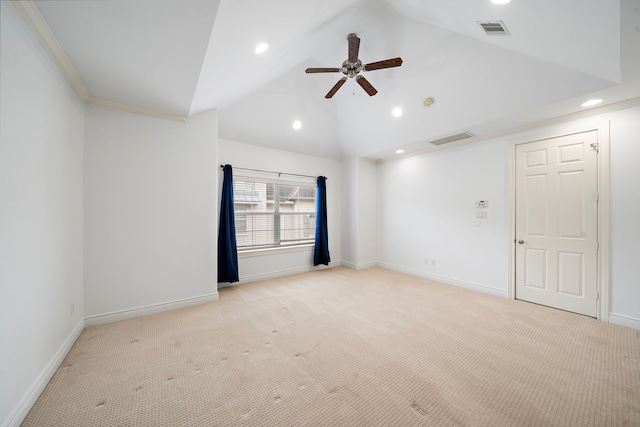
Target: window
(271, 214)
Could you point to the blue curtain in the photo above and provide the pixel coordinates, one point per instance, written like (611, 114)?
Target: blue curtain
(321, 248)
(227, 247)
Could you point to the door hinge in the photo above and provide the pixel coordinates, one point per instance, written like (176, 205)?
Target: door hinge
(597, 246)
(597, 197)
(597, 296)
(595, 146)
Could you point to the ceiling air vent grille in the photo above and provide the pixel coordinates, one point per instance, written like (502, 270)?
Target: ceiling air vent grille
(452, 138)
(494, 28)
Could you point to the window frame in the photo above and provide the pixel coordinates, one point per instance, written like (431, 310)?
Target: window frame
(306, 244)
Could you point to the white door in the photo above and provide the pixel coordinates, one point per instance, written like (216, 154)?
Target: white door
(557, 222)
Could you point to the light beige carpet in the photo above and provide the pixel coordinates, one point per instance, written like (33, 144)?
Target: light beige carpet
(339, 347)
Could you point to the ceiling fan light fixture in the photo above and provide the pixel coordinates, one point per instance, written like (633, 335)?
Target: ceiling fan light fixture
(261, 48)
(297, 124)
(396, 112)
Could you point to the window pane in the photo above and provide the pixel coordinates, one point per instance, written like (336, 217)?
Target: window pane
(273, 214)
(297, 199)
(251, 197)
(270, 191)
(241, 224)
(297, 228)
(259, 232)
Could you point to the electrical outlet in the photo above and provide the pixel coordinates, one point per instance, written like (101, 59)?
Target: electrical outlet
(426, 261)
(433, 263)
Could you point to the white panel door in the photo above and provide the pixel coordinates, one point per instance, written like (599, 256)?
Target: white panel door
(557, 222)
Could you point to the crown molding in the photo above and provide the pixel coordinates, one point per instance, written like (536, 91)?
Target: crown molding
(135, 109)
(34, 19)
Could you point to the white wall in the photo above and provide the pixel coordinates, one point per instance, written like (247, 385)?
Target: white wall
(41, 136)
(367, 208)
(241, 155)
(150, 209)
(359, 213)
(350, 214)
(624, 211)
(426, 210)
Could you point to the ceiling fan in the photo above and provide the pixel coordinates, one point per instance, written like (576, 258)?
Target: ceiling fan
(352, 67)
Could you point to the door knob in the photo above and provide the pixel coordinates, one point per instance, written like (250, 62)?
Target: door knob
(521, 241)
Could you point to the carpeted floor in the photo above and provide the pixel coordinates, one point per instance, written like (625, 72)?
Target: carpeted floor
(339, 347)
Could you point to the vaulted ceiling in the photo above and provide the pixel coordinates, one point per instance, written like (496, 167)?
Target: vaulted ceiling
(186, 56)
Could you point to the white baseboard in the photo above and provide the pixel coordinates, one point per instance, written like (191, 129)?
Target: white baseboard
(354, 266)
(29, 399)
(116, 316)
(448, 280)
(279, 273)
(629, 322)
(350, 265)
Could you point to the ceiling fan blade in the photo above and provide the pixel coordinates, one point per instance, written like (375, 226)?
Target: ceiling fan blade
(335, 88)
(354, 47)
(366, 85)
(387, 63)
(322, 70)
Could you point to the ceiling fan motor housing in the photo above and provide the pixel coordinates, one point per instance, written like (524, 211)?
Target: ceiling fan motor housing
(351, 69)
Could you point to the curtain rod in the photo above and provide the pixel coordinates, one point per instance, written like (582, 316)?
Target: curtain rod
(279, 173)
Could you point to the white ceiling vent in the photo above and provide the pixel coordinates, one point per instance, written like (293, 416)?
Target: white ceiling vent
(494, 28)
(452, 138)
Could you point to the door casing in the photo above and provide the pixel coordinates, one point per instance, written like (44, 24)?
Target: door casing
(603, 285)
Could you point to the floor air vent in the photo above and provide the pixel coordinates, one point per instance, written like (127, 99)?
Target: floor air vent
(452, 138)
(494, 28)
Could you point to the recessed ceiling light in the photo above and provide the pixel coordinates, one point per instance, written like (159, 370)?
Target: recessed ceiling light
(397, 112)
(260, 48)
(399, 151)
(500, 1)
(428, 102)
(591, 102)
(297, 124)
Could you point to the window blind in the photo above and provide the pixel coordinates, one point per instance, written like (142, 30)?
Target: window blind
(271, 214)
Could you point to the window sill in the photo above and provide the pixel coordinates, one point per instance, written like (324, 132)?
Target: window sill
(273, 251)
